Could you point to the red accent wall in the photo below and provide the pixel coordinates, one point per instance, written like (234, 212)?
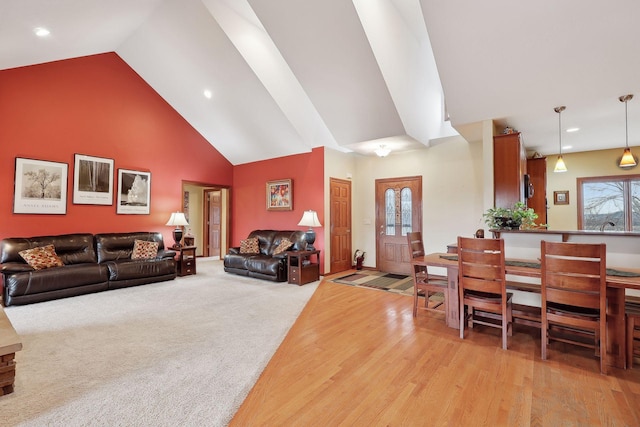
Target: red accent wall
(249, 203)
(97, 105)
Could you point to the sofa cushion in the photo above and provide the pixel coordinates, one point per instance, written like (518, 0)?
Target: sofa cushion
(264, 264)
(54, 279)
(134, 269)
(70, 248)
(249, 246)
(143, 249)
(283, 246)
(42, 257)
(116, 246)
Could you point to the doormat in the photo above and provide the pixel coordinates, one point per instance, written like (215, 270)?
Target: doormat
(398, 283)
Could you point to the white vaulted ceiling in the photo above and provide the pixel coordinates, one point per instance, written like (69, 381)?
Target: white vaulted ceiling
(290, 75)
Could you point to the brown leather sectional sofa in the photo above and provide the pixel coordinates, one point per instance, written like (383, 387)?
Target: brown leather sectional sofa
(92, 263)
(264, 265)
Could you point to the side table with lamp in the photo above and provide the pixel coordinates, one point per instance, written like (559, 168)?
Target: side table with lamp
(186, 255)
(302, 267)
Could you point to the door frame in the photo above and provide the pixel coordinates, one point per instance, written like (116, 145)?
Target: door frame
(225, 231)
(381, 220)
(350, 231)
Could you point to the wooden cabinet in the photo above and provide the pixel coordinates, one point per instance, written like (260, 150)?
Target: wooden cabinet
(537, 170)
(186, 260)
(509, 168)
(304, 266)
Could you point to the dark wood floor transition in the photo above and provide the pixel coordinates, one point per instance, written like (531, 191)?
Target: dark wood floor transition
(357, 357)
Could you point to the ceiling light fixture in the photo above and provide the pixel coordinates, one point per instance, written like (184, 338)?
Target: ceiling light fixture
(569, 130)
(560, 166)
(41, 32)
(207, 94)
(382, 151)
(627, 160)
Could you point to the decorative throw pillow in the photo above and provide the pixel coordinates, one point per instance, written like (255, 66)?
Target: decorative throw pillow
(284, 245)
(249, 246)
(143, 249)
(41, 257)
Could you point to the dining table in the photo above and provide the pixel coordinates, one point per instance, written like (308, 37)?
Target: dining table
(618, 280)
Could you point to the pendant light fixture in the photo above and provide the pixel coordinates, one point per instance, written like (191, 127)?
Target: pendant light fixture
(560, 166)
(627, 159)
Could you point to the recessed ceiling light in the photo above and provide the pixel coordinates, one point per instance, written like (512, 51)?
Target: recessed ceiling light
(207, 94)
(567, 147)
(41, 32)
(573, 129)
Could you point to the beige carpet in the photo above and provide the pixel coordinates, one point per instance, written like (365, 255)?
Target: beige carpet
(183, 352)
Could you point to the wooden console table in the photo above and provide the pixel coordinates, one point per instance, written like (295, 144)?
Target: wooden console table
(9, 344)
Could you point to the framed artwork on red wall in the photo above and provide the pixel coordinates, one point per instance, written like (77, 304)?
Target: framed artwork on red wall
(40, 187)
(134, 192)
(279, 195)
(92, 180)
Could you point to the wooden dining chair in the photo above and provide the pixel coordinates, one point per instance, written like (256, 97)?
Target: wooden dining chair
(482, 286)
(425, 284)
(632, 319)
(574, 296)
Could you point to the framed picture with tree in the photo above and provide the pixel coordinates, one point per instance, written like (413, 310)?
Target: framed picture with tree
(40, 187)
(92, 180)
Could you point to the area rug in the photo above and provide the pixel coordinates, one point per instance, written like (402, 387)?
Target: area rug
(398, 283)
(179, 353)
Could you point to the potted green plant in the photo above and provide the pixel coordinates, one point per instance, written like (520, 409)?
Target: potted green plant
(524, 215)
(516, 217)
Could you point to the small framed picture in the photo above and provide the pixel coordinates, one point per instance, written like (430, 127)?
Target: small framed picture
(134, 192)
(560, 197)
(92, 180)
(40, 187)
(279, 195)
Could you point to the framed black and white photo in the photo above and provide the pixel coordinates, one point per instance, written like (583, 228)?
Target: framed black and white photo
(40, 187)
(92, 180)
(134, 192)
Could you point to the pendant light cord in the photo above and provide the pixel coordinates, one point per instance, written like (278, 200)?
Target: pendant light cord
(626, 124)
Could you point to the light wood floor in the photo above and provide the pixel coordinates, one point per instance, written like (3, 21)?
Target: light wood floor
(357, 357)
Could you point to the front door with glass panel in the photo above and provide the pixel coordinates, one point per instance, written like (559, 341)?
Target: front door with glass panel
(398, 211)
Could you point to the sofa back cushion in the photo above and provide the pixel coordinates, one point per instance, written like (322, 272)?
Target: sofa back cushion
(268, 240)
(71, 248)
(115, 246)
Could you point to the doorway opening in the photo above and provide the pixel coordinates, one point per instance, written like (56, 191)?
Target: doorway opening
(206, 207)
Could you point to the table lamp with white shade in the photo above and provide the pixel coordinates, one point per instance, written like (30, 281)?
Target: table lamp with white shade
(178, 219)
(310, 219)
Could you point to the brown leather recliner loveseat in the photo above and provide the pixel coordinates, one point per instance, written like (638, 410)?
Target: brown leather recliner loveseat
(92, 263)
(263, 263)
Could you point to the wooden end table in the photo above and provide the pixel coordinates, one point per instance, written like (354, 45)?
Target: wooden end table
(303, 268)
(185, 260)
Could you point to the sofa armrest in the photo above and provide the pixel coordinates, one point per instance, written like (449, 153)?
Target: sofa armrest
(234, 250)
(14, 267)
(166, 253)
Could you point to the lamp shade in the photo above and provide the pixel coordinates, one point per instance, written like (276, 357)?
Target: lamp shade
(177, 218)
(627, 159)
(310, 219)
(560, 166)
